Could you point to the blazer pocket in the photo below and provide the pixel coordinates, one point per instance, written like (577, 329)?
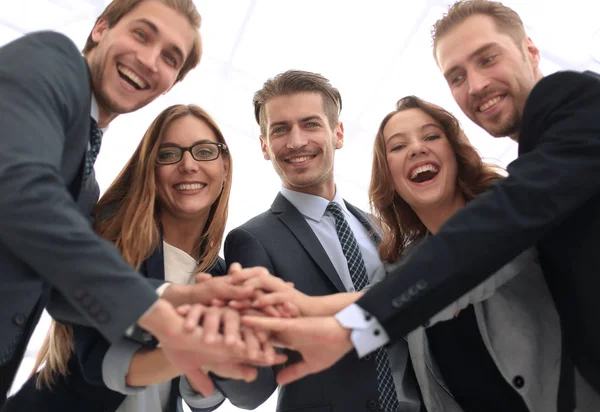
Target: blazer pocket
(311, 408)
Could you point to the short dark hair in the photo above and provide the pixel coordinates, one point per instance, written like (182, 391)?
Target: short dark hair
(297, 81)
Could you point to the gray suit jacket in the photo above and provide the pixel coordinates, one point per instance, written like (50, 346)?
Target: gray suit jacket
(46, 240)
(282, 241)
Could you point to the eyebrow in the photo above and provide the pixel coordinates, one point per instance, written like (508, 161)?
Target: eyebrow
(425, 126)
(477, 52)
(168, 144)
(302, 120)
(156, 32)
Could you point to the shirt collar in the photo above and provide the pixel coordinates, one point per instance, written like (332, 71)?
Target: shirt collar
(311, 206)
(95, 111)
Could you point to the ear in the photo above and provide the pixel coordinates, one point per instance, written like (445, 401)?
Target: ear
(264, 148)
(532, 52)
(99, 30)
(339, 135)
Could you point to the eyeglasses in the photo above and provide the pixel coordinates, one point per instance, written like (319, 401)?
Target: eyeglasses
(202, 152)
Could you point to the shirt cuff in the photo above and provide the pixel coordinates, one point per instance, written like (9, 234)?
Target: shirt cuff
(159, 291)
(367, 334)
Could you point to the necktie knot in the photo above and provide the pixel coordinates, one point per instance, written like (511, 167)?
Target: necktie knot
(336, 210)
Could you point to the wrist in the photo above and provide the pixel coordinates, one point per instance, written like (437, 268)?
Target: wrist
(177, 295)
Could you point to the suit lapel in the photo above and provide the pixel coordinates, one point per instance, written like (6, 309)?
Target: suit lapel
(295, 222)
(364, 220)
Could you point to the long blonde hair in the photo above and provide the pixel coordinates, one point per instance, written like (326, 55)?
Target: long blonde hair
(399, 223)
(127, 215)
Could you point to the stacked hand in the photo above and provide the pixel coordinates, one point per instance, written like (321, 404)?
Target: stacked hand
(230, 324)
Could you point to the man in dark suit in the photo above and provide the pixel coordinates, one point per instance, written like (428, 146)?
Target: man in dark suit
(551, 199)
(54, 104)
(298, 240)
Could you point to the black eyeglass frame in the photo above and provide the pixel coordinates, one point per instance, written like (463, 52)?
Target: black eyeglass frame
(221, 148)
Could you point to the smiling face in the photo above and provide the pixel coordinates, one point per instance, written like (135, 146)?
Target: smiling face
(301, 143)
(489, 76)
(139, 58)
(421, 160)
(189, 188)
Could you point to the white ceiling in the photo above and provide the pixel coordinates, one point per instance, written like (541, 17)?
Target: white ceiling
(374, 52)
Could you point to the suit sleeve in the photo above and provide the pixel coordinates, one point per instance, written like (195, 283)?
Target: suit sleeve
(242, 247)
(44, 86)
(544, 186)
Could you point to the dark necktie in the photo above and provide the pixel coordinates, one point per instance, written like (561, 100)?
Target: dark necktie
(388, 398)
(94, 148)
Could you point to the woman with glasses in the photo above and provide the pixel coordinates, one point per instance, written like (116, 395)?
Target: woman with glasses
(166, 212)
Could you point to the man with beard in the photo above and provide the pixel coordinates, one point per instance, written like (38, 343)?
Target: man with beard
(551, 199)
(54, 105)
(312, 237)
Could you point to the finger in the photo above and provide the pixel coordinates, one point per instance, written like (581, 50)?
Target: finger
(240, 304)
(211, 324)
(252, 343)
(293, 372)
(271, 311)
(268, 351)
(290, 310)
(183, 309)
(271, 299)
(231, 327)
(268, 323)
(267, 282)
(244, 275)
(192, 319)
(200, 382)
(217, 302)
(234, 267)
(201, 277)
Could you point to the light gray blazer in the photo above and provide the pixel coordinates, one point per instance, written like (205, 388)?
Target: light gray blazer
(520, 328)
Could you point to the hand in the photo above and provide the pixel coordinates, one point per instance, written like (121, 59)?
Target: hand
(222, 326)
(322, 341)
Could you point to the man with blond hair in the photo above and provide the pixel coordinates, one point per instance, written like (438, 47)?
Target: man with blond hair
(551, 199)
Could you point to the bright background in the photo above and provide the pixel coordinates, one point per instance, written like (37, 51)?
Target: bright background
(374, 52)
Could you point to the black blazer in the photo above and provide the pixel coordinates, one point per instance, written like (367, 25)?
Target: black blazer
(45, 236)
(282, 241)
(83, 388)
(551, 199)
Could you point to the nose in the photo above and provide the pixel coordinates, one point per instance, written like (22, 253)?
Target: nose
(296, 139)
(478, 82)
(149, 56)
(188, 164)
(417, 149)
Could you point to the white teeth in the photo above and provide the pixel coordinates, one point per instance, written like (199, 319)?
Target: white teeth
(424, 168)
(132, 76)
(489, 103)
(299, 159)
(189, 186)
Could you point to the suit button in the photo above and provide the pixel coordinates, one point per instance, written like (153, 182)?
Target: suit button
(372, 405)
(518, 381)
(367, 357)
(102, 317)
(19, 319)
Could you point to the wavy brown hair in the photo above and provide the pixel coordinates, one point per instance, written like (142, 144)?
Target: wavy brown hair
(115, 11)
(128, 215)
(399, 223)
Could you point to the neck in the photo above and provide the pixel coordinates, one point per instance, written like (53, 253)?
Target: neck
(324, 189)
(183, 233)
(433, 217)
(105, 117)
